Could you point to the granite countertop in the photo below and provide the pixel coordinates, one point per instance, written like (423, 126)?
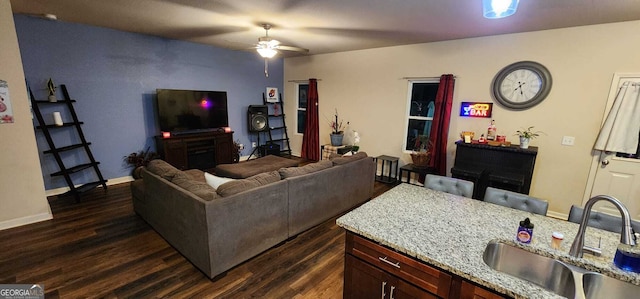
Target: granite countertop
(451, 232)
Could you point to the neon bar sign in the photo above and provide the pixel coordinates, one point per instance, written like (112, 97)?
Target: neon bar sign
(476, 109)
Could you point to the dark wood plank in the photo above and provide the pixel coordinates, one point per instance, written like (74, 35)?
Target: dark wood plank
(101, 248)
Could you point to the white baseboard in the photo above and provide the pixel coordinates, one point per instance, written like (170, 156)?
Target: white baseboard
(561, 216)
(114, 181)
(26, 220)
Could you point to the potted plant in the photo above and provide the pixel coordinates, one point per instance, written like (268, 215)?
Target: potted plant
(137, 160)
(337, 132)
(52, 91)
(237, 149)
(421, 153)
(526, 136)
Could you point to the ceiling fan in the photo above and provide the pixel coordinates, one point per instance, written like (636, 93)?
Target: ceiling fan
(268, 47)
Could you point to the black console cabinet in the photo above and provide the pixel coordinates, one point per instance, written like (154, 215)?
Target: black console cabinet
(196, 151)
(504, 167)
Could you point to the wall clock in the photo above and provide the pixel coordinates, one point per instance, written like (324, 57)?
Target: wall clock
(521, 85)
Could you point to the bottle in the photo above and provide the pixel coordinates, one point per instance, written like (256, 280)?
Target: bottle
(525, 231)
(556, 240)
(491, 131)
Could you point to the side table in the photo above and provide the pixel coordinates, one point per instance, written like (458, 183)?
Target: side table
(420, 171)
(391, 176)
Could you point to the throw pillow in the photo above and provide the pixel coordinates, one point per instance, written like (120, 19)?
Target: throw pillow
(215, 181)
(309, 168)
(162, 168)
(345, 160)
(237, 186)
(200, 189)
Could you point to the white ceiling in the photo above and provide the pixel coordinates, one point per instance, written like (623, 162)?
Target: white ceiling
(325, 26)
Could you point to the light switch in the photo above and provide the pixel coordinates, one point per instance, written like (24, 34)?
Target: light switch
(568, 140)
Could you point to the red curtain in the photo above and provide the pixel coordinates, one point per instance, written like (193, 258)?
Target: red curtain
(311, 138)
(440, 124)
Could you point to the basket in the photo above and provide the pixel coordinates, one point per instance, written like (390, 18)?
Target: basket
(421, 159)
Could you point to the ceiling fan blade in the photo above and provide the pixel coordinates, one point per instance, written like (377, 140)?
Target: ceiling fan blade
(293, 49)
(195, 32)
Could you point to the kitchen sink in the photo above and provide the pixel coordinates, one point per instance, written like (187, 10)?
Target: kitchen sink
(546, 272)
(597, 285)
(563, 279)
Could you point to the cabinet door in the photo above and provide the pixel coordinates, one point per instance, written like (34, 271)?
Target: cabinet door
(224, 148)
(470, 291)
(362, 280)
(175, 153)
(400, 289)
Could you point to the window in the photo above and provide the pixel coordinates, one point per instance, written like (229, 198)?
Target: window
(420, 109)
(301, 118)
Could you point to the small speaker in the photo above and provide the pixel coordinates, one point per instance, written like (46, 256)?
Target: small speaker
(270, 149)
(258, 120)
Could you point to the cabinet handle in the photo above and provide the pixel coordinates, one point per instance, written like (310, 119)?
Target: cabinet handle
(384, 283)
(391, 294)
(384, 259)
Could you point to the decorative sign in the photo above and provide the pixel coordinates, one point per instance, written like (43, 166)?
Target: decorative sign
(272, 95)
(476, 109)
(6, 113)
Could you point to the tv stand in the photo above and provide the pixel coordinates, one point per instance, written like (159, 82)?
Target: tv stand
(200, 150)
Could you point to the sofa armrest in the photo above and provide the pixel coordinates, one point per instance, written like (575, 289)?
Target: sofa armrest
(243, 225)
(178, 216)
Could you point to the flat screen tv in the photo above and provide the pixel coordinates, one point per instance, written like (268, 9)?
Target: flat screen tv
(191, 111)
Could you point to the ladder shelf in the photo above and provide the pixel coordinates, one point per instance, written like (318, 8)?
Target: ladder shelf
(67, 170)
(280, 127)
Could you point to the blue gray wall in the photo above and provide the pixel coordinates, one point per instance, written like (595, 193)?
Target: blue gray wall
(113, 76)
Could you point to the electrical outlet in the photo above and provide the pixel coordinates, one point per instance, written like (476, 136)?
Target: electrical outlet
(253, 145)
(568, 140)
(241, 146)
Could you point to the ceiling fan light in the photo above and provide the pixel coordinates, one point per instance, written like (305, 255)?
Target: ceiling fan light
(496, 9)
(267, 52)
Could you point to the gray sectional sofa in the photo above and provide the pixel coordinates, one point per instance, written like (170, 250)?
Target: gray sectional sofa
(217, 232)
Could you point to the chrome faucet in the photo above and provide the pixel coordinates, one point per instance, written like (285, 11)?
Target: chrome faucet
(626, 236)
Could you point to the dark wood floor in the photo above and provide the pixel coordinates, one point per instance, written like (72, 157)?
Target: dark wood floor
(101, 248)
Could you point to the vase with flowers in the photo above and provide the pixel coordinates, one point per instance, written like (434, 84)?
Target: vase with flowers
(337, 130)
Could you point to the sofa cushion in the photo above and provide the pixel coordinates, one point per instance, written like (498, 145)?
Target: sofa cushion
(215, 181)
(195, 174)
(162, 168)
(200, 189)
(237, 186)
(344, 160)
(250, 168)
(309, 168)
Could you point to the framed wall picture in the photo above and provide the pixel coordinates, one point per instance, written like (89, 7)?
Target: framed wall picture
(272, 95)
(6, 112)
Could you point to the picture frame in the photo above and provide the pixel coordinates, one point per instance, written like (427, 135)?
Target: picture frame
(272, 95)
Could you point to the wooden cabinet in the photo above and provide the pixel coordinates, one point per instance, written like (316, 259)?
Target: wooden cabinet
(363, 280)
(196, 151)
(406, 277)
(504, 167)
(471, 291)
(374, 271)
